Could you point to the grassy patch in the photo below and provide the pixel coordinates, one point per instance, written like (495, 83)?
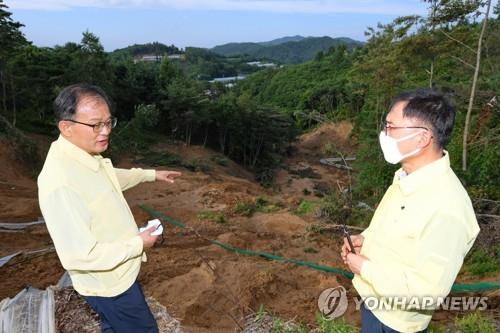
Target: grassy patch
(216, 217)
(264, 206)
(260, 204)
(279, 326)
(435, 328)
(480, 263)
(474, 322)
(334, 326)
(314, 228)
(196, 165)
(220, 160)
(263, 319)
(244, 208)
(310, 250)
(305, 207)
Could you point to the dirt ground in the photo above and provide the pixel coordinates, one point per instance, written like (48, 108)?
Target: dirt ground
(207, 288)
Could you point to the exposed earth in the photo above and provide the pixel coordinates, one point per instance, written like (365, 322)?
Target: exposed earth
(205, 287)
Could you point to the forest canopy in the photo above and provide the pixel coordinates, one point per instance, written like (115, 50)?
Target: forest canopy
(454, 49)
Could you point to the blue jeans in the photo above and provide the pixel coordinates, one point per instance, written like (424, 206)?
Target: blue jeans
(371, 324)
(125, 313)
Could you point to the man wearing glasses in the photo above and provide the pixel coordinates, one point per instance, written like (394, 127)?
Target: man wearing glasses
(89, 221)
(424, 226)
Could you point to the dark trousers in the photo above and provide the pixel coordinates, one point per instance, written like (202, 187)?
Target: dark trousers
(127, 312)
(371, 324)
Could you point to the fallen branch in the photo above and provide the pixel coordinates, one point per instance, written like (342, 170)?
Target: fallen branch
(488, 215)
(464, 62)
(18, 226)
(487, 200)
(324, 227)
(461, 43)
(29, 255)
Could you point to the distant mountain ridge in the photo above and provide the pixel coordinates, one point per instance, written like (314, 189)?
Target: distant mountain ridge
(283, 40)
(290, 50)
(286, 50)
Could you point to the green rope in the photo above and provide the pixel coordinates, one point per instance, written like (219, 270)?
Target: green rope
(478, 286)
(270, 256)
(457, 287)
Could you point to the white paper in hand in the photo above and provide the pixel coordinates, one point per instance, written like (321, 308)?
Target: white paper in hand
(153, 223)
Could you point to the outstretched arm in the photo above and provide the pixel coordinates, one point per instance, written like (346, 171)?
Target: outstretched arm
(129, 178)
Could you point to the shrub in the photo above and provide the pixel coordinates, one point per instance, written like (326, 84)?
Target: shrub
(480, 263)
(333, 326)
(244, 208)
(216, 217)
(260, 204)
(474, 322)
(196, 165)
(220, 160)
(305, 207)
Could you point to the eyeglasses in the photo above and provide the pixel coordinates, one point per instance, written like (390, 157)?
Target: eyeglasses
(385, 127)
(111, 123)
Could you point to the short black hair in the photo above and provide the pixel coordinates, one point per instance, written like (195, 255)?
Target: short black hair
(432, 108)
(66, 102)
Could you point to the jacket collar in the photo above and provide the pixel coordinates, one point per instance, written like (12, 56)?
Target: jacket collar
(425, 176)
(90, 161)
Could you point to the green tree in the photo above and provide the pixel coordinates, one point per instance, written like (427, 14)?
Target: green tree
(91, 64)
(12, 41)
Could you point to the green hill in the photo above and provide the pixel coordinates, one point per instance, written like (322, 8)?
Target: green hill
(236, 49)
(149, 48)
(319, 85)
(288, 50)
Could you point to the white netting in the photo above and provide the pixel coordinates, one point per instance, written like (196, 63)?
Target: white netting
(32, 310)
(35, 311)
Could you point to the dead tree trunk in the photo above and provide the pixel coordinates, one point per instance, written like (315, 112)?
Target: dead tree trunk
(473, 89)
(4, 91)
(14, 107)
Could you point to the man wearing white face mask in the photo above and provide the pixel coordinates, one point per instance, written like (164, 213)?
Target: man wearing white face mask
(408, 258)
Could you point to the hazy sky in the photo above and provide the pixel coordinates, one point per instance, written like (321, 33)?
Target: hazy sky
(120, 23)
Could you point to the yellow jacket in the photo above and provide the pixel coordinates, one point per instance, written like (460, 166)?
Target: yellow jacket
(416, 243)
(91, 225)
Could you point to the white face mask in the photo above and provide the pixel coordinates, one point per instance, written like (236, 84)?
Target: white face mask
(390, 147)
